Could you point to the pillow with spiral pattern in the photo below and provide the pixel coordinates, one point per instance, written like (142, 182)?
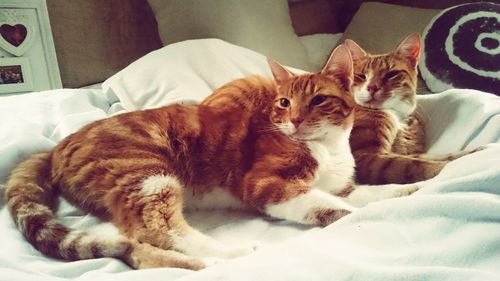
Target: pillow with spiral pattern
(461, 48)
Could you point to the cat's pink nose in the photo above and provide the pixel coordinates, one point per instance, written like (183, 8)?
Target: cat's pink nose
(297, 121)
(372, 89)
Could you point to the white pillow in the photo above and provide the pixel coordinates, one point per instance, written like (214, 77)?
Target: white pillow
(183, 72)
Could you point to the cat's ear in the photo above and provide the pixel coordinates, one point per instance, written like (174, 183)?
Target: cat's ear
(339, 66)
(410, 48)
(356, 51)
(280, 73)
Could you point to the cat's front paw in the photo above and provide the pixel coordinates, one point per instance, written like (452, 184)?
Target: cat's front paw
(405, 190)
(456, 155)
(211, 261)
(324, 217)
(145, 256)
(480, 148)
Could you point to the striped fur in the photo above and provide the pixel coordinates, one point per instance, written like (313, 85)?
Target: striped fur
(30, 196)
(388, 139)
(290, 160)
(133, 170)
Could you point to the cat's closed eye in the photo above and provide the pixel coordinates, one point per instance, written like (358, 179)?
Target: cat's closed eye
(391, 74)
(317, 100)
(359, 77)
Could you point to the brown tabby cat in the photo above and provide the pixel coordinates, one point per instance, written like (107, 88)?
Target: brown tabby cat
(388, 139)
(282, 149)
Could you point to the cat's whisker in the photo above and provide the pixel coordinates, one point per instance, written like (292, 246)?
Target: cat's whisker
(270, 129)
(293, 139)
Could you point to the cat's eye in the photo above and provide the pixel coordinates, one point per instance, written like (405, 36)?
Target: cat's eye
(317, 100)
(391, 74)
(360, 77)
(284, 102)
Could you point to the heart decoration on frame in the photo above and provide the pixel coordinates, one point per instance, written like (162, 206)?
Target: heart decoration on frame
(16, 38)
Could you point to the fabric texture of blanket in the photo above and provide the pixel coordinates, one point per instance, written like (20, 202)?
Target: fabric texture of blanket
(448, 230)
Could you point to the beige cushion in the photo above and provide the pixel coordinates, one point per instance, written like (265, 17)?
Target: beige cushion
(379, 28)
(94, 39)
(263, 26)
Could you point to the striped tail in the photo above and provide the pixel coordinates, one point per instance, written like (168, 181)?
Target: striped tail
(388, 168)
(30, 198)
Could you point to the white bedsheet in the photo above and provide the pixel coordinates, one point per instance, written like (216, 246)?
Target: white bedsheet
(449, 230)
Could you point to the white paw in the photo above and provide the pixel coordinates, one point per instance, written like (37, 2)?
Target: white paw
(482, 147)
(456, 155)
(244, 250)
(406, 190)
(211, 261)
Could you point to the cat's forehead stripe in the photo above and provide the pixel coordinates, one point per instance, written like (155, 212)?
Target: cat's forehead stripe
(302, 84)
(379, 62)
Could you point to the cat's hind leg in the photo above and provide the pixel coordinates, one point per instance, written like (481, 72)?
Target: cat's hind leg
(194, 243)
(144, 255)
(151, 211)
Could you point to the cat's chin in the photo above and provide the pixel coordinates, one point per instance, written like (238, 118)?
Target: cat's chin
(372, 104)
(369, 102)
(302, 139)
(307, 137)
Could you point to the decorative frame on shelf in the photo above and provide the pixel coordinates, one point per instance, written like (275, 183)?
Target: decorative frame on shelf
(15, 75)
(25, 34)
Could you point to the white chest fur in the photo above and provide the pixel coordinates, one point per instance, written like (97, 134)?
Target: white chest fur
(400, 124)
(335, 162)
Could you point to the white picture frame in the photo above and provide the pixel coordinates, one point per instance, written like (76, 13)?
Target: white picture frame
(39, 46)
(15, 75)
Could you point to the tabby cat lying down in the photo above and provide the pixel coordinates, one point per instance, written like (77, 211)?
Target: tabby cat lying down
(388, 139)
(280, 147)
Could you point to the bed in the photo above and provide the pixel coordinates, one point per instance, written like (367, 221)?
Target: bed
(448, 230)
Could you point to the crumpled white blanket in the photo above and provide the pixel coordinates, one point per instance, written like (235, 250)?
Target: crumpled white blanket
(449, 230)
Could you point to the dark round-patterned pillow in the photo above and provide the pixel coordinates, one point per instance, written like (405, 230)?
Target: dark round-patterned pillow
(461, 48)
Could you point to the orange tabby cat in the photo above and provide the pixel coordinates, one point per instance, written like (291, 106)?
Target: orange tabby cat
(282, 149)
(388, 139)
